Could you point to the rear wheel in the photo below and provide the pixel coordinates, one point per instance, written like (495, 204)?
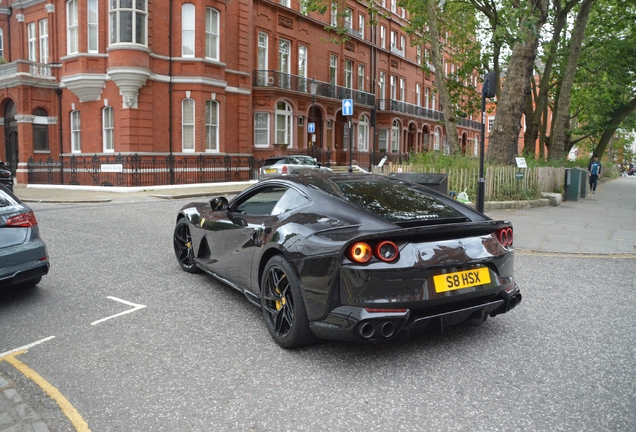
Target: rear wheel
(183, 247)
(283, 306)
(28, 284)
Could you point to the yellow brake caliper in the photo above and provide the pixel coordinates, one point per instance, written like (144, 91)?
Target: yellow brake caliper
(280, 303)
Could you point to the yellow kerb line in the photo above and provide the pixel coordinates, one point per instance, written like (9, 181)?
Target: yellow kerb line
(69, 411)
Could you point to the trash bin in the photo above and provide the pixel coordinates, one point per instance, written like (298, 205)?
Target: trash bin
(437, 181)
(584, 182)
(572, 185)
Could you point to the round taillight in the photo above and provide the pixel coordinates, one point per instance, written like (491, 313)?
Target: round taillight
(284, 169)
(387, 251)
(505, 236)
(360, 252)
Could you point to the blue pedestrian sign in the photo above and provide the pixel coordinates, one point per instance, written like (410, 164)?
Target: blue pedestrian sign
(347, 107)
(311, 127)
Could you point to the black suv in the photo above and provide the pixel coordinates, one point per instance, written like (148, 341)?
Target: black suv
(5, 176)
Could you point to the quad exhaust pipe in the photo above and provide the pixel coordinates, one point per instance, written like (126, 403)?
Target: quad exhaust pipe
(383, 329)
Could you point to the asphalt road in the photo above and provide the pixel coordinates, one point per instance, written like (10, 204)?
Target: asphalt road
(198, 356)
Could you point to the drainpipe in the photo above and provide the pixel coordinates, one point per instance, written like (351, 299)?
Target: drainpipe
(171, 163)
(9, 58)
(60, 127)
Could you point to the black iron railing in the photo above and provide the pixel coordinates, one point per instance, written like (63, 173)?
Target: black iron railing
(136, 170)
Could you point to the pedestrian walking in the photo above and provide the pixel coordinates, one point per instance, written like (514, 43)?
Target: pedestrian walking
(594, 170)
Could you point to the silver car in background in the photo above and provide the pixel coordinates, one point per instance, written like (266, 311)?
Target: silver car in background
(294, 164)
(24, 258)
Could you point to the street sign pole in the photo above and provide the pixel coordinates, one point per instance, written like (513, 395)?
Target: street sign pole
(347, 110)
(487, 90)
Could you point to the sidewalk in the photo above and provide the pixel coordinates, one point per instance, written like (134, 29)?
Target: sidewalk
(601, 223)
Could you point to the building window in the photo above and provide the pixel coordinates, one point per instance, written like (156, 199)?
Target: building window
(418, 95)
(93, 26)
(334, 14)
(75, 132)
(403, 45)
(434, 101)
(40, 131)
(381, 88)
(395, 137)
(402, 89)
(437, 139)
(187, 30)
(44, 40)
(418, 54)
(303, 7)
(128, 21)
(212, 126)
(1, 44)
(261, 129)
(382, 139)
(393, 87)
(333, 69)
(108, 130)
(348, 19)
(427, 93)
(361, 25)
(187, 125)
(348, 74)
(394, 6)
(284, 62)
(383, 36)
(262, 58)
(32, 38)
(283, 124)
(212, 34)
(394, 40)
(302, 67)
(71, 27)
(363, 133)
(361, 77)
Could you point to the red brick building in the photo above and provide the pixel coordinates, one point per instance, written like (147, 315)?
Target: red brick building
(178, 79)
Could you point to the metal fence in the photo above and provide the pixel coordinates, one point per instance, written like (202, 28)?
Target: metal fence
(136, 170)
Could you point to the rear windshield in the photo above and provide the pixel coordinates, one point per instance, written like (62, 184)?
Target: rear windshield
(395, 201)
(271, 161)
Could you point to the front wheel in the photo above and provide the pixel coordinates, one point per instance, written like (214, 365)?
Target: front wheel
(183, 246)
(283, 306)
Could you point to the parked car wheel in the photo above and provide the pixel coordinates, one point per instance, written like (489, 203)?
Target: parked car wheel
(283, 306)
(28, 284)
(183, 247)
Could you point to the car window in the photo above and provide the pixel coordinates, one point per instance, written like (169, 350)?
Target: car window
(262, 202)
(290, 200)
(394, 201)
(271, 161)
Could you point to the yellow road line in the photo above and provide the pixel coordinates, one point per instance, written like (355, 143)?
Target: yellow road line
(69, 411)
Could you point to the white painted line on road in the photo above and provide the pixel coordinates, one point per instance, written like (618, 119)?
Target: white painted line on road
(136, 307)
(26, 347)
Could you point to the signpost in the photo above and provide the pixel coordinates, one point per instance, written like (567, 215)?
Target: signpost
(347, 110)
(311, 127)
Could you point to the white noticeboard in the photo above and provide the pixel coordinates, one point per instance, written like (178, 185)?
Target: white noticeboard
(116, 168)
(521, 162)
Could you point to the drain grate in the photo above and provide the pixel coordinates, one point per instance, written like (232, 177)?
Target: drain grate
(623, 235)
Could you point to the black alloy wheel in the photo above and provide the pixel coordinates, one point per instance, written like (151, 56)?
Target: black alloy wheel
(183, 247)
(283, 306)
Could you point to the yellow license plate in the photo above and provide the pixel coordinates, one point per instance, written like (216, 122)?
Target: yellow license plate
(462, 279)
(269, 171)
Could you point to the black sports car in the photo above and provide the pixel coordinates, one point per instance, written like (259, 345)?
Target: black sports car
(351, 256)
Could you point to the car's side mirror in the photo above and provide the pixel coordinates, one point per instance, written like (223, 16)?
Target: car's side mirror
(219, 204)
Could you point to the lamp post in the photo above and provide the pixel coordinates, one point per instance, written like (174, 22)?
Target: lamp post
(487, 91)
(313, 87)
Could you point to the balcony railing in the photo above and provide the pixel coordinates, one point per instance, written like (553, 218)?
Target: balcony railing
(275, 79)
(407, 108)
(25, 68)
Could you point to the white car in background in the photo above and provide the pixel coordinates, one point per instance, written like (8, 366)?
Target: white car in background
(294, 164)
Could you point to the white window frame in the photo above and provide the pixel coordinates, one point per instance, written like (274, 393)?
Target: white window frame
(108, 129)
(402, 89)
(212, 42)
(334, 14)
(361, 18)
(348, 19)
(383, 37)
(393, 87)
(403, 45)
(1, 43)
(138, 21)
(382, 89)
(43, 25)
(211, 126)
(394, 40)
(348, 71)
(76, 145)
(188, 40)
(363, 133)
(32, 42)
(283, 117)
(383, 139)
(361, 77)
(286, 3)
(263, 118)
(434, 101)
(71, 27)
(262, 43)
(188, 132)
(92, 20)
(437, 139)
(395, 137)
(333, 69)
(418, 95)
(394, 6)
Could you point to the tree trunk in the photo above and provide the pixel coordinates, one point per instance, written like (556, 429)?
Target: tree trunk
(532, 129)
(557, 148)
(616, 121)
(504, 138)
(437, 55)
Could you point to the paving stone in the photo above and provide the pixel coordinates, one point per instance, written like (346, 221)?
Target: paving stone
(3, 382)
(26, 412)
(16, 428)
(12, 395)
(5, 419)
(40, 427)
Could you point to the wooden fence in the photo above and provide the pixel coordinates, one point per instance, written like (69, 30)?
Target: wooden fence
(502, 183)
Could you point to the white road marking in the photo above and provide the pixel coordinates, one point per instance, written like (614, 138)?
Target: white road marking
(136, 307)
(26, 347)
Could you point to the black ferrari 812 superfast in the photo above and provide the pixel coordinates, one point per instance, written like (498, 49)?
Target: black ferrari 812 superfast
(357, 257)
